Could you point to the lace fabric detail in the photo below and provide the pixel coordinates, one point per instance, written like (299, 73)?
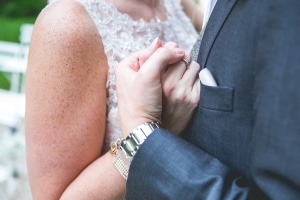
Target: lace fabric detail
(122, 36)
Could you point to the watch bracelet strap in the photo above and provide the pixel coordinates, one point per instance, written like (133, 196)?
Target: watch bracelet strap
(136, 137)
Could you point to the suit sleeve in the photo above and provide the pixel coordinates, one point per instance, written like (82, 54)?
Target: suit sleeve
(275, 145)
(168, 167)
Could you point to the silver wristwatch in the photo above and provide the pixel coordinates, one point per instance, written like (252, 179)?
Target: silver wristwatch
(132, 142)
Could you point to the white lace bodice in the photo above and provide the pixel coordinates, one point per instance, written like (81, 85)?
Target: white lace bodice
(122, 36)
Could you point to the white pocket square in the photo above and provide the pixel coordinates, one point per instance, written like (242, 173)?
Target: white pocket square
(207, 78)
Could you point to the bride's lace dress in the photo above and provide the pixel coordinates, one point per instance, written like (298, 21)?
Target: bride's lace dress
(122, 36)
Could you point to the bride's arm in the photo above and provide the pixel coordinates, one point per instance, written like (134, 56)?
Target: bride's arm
(194, 12)
(66, 108)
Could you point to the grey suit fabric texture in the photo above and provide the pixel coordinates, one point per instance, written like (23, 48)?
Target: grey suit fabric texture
(244, 139)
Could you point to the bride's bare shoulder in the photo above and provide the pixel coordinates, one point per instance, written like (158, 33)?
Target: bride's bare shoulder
(62, 10)
(65, 26)
(65, 18)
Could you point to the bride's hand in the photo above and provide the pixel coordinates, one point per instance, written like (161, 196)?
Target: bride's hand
(181, 95)
(139, 86)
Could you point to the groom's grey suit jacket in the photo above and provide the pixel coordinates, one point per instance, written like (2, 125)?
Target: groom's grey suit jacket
(244, 140)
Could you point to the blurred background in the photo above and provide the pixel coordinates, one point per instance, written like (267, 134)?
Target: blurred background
(17, 18)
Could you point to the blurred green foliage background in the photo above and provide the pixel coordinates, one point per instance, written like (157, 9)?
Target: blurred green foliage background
(14, 13)
(21, 8)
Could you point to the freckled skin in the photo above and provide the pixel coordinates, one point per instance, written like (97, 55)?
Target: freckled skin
(66, 107)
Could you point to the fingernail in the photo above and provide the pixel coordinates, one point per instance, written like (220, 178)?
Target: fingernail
(154, 42)
(179, 51)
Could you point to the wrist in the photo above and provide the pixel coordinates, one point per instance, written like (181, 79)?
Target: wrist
(130, 145)
(136, 137)
(127, 126)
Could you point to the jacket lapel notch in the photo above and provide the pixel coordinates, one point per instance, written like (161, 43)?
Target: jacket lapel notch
(217, 19)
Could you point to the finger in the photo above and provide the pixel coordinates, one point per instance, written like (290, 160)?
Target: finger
(160, 60)
(195, 96)
(197, 86)
(187, 59)
(146, 53)
(191, 74)
(171, 45)
(174, 72)
(127, 65)
(136, 60)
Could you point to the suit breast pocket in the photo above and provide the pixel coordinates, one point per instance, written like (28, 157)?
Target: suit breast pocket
(217, 98)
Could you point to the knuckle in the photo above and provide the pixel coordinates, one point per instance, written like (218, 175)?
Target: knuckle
(167, 88)
(181, 96)
(195, 66)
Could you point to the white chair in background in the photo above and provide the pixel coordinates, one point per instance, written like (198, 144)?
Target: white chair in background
(25, 37)
(13, 61)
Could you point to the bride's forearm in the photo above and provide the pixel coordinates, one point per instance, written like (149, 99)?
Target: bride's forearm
(100, 180)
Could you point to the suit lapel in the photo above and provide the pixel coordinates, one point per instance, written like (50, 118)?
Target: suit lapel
(215, 22)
